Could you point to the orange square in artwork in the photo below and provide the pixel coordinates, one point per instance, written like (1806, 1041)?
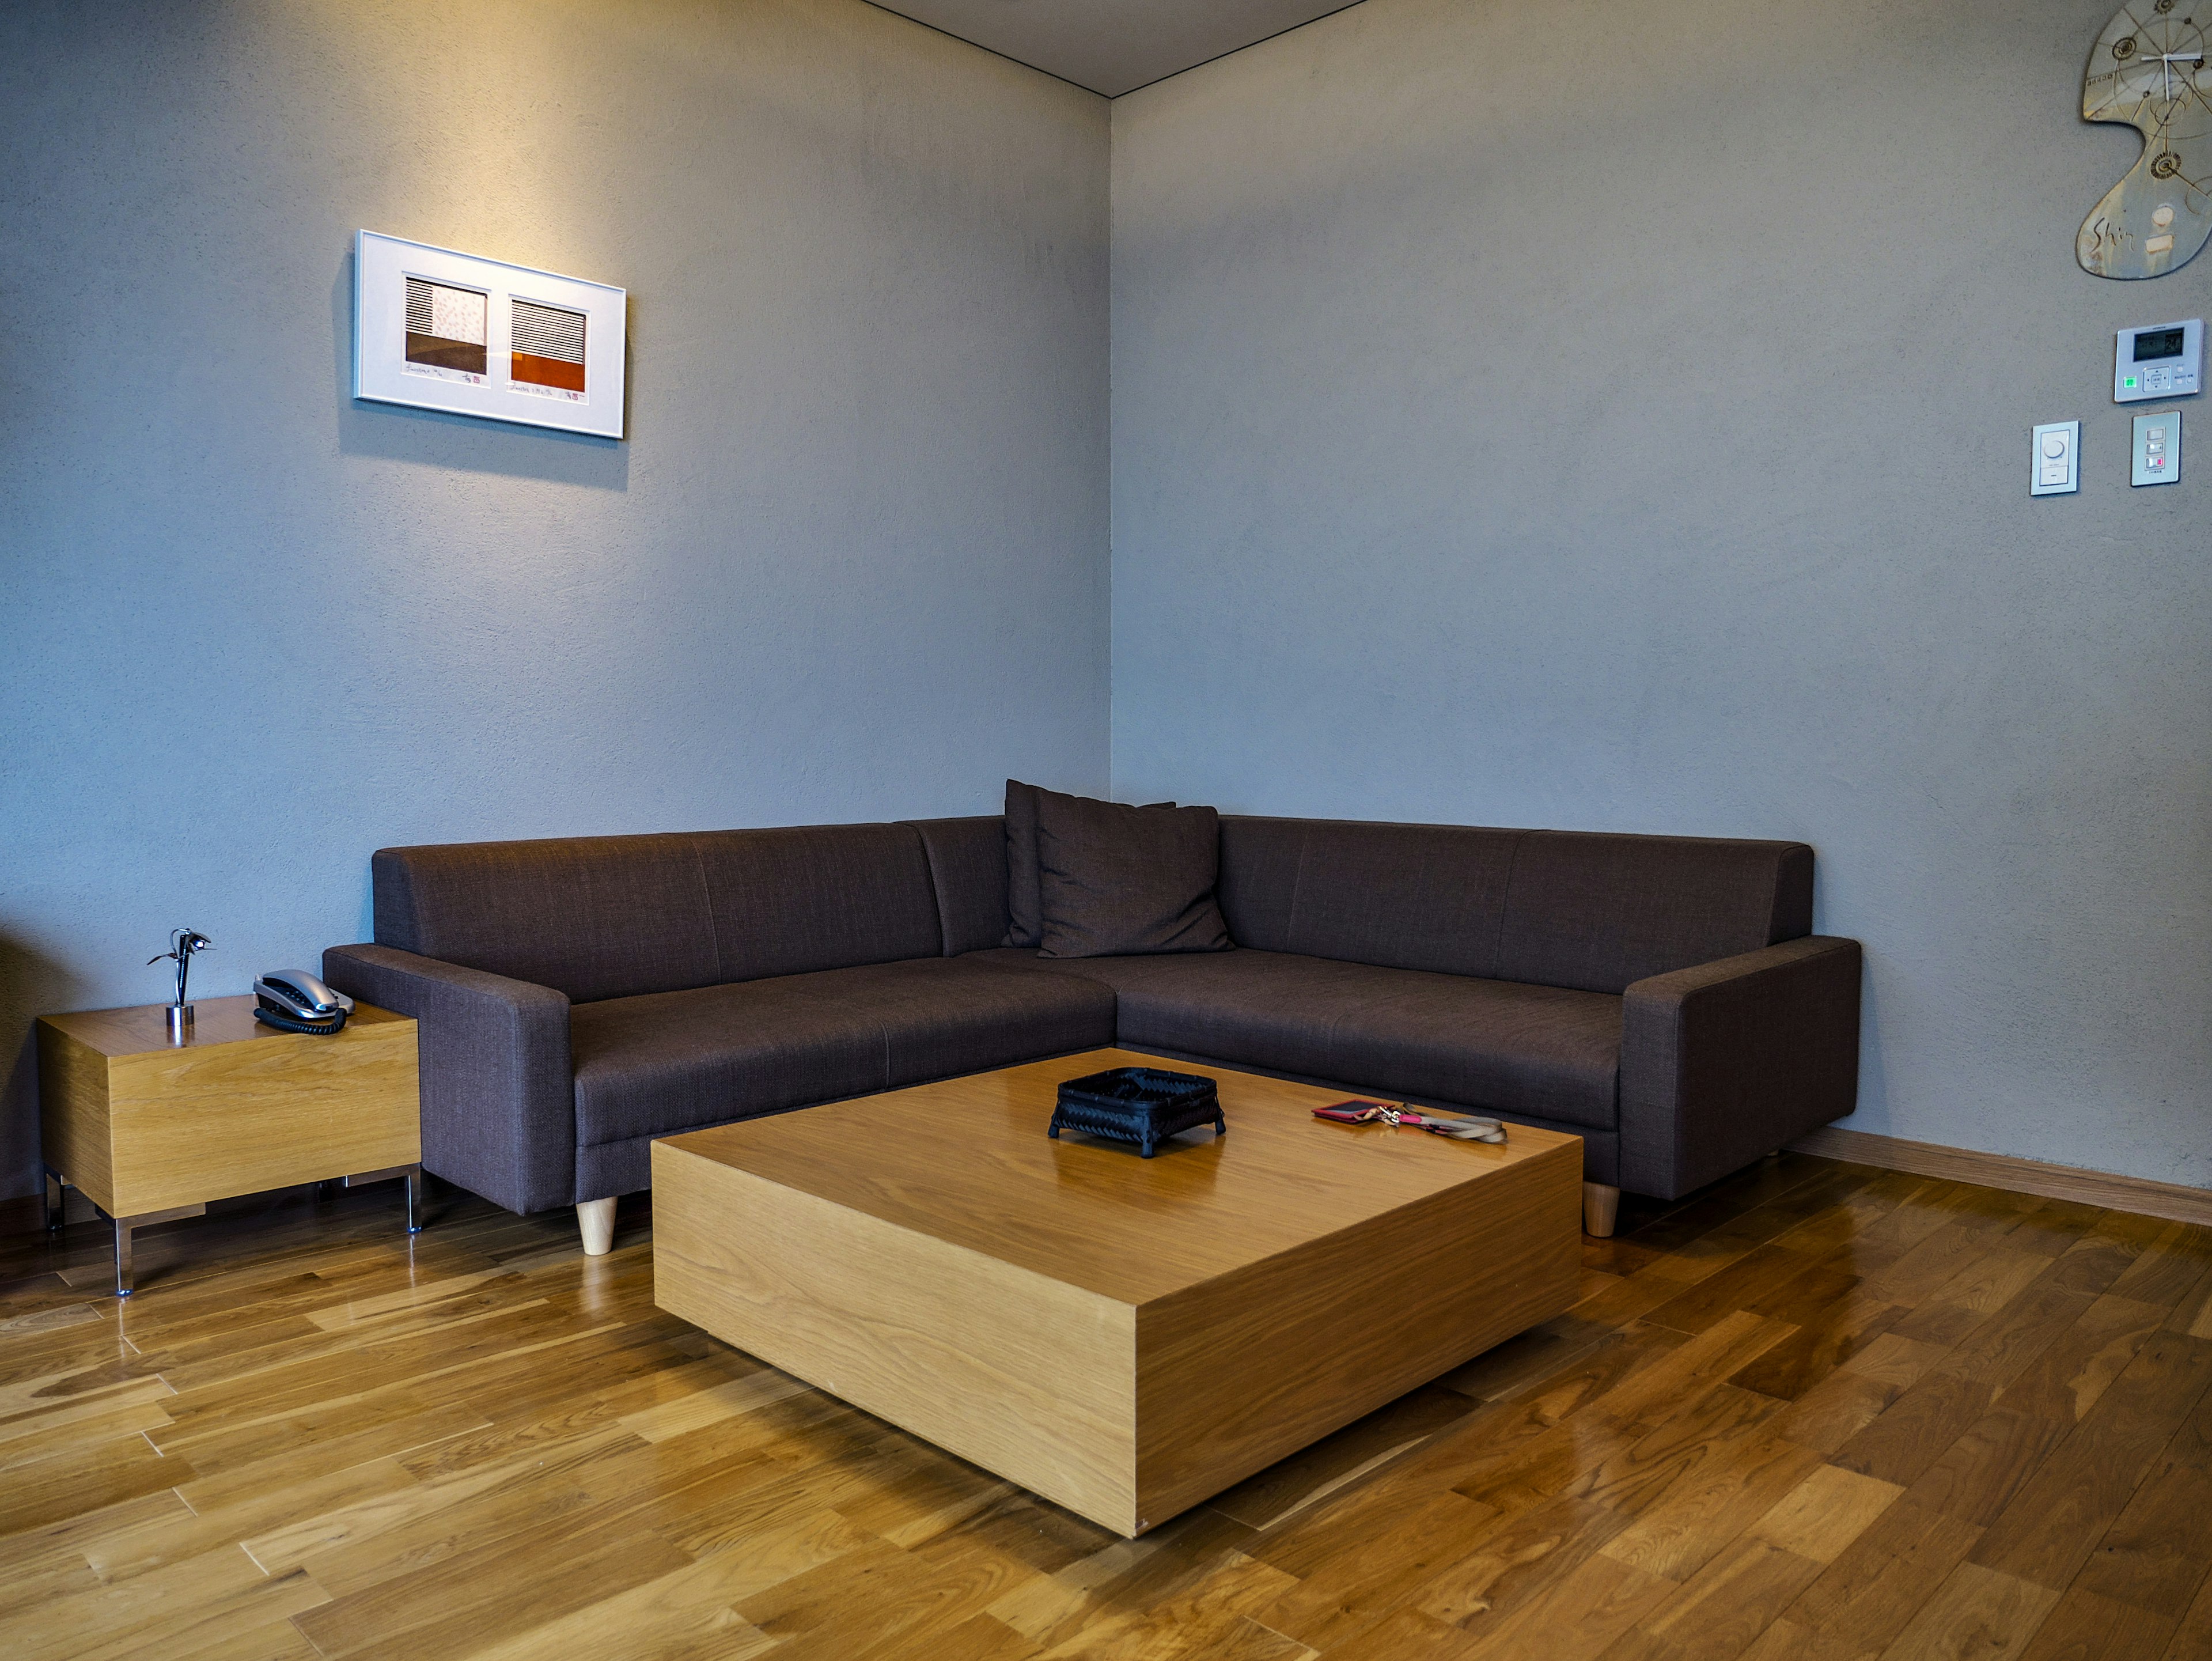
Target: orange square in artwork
(549, 372)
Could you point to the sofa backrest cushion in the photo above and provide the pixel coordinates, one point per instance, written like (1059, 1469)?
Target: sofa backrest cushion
(967, 867)
(1402, 896)
(1596, 912)
(820, 897)
(1587, 911)
(616, 916)
(592, 916)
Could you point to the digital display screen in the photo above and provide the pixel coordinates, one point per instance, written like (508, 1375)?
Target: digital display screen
(2158, 343)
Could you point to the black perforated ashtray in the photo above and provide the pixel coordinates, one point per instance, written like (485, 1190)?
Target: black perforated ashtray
(1142, 1105)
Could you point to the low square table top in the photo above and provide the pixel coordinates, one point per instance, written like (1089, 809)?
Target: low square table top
(968, 1161)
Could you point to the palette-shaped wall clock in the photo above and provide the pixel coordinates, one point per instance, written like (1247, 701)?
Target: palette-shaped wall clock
(438, 330)
(2149, 71)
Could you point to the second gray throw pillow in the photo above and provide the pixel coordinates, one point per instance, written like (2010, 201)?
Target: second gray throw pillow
(1114, 880)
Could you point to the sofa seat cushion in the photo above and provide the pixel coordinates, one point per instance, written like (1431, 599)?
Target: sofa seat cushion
(1538, 1050)
(667, 1061)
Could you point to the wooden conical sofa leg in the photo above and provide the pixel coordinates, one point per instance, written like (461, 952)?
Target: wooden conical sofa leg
(1600, 1205)
(597, 1218)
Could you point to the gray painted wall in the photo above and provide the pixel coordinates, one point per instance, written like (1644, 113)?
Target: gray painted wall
(1525, 414)
(1616, 417)
(850, 563)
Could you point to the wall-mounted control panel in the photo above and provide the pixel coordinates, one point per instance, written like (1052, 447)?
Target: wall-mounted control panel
(2054, 460)
(2157, 448)
(2165, 360)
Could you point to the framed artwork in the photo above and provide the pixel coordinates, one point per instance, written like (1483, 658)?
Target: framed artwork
(437, 330)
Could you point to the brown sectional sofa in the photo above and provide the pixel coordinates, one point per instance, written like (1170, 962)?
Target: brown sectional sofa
(1662, 997)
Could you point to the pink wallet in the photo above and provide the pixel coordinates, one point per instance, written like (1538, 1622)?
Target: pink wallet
(1458, 1130)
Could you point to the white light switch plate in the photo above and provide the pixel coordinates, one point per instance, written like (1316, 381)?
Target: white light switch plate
(2054, 458)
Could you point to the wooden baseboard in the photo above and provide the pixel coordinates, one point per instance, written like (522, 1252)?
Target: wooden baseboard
(2052, 1182)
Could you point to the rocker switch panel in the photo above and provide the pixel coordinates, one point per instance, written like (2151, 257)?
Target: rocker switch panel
(2157, 450)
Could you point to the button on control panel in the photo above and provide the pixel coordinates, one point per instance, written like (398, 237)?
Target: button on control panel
(2054, 458)
(2157, 448)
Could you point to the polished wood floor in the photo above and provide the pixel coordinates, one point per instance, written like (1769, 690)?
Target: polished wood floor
(1820, 1411)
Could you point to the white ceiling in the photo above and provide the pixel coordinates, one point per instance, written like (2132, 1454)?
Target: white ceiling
(1113, 46)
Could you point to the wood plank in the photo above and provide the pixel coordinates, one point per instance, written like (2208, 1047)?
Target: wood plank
(475, 1599)
(1740, 1590)
(1936, 1412)
(2084, 1627)
(1577, 1618)
(691, 1609)
(1341, 1459)
(1978, 1475)
(1506, 1369)
(1122, 1576)
(1979, 1612)
(81, 1479)
(2158, 1549)
(1207, 1621)
(1519, 1560)
(1829, 1415)
(1868, 1596)
(201, 1605)
(1762, 1270)
(1514, 1471)
(1679, 1456)
(1375, 1570)
(1826, 1338)
(1723, 1608)
(2047, 1533)
(1703, 1509)
(2169, 1270)
(2192, 1638)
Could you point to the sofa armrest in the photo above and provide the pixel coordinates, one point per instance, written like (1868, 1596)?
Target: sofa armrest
(1726, 1062)
(499, 1094)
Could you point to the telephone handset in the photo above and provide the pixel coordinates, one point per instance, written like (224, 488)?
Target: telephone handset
(293, 1000)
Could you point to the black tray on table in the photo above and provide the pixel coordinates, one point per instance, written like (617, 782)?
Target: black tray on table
(1142, 1105)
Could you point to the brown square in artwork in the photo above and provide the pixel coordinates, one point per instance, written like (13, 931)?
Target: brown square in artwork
(549, 346)
(445, 327)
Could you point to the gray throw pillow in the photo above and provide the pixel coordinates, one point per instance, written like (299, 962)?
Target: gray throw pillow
(1023, 928)
(1116, 880)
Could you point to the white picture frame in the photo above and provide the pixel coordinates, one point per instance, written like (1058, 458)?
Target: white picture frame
(528, 347)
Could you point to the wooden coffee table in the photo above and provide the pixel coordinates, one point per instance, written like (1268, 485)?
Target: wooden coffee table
(1125, 1337)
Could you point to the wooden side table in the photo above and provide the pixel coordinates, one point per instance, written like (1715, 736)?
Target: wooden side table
(148, 1130)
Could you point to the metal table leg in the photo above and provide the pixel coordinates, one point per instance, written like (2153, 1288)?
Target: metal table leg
(125, 1279)
(57, 1200)
(413, 1173)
